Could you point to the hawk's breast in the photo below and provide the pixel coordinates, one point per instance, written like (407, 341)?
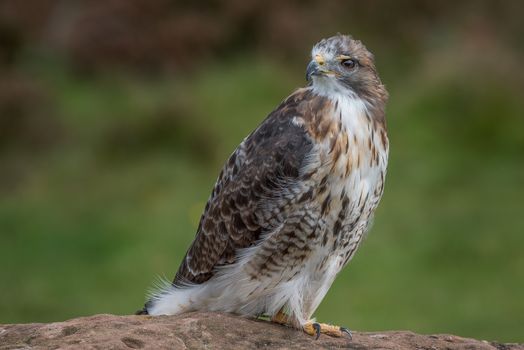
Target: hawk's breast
(353, 152)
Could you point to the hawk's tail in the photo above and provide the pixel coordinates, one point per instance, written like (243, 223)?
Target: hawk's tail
(145, 309)
(142, 312)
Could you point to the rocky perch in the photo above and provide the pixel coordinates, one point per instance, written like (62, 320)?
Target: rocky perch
(210, 331)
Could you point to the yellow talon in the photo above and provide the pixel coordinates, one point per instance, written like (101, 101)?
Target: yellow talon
(315, 329)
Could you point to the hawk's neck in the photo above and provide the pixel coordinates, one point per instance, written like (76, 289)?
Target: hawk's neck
(326, 115)
(372, 104)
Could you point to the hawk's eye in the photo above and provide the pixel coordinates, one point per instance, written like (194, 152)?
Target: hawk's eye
(348, 63)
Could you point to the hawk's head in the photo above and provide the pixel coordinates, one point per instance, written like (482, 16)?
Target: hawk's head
(342, 65)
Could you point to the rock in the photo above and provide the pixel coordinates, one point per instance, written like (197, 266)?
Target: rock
(210, 331)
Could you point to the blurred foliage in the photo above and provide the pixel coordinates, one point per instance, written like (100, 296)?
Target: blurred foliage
(116, 116)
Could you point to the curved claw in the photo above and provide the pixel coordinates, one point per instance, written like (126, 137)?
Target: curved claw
(317, 329)
(347, 331)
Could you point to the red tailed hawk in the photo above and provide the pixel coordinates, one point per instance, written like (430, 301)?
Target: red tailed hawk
(293, 201)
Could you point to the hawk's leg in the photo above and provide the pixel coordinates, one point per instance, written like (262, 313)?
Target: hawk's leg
(315, 329)
(281, 318)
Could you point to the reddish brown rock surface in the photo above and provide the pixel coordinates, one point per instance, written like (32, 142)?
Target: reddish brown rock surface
(209, 331)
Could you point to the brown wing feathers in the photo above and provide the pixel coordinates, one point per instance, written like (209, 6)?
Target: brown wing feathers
(250, 185)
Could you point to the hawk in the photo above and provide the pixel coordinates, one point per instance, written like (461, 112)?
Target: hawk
(292, 203)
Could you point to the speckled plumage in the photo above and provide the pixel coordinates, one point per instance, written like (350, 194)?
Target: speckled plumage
(292, 203)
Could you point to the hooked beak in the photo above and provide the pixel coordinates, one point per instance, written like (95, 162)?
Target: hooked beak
(315, 67)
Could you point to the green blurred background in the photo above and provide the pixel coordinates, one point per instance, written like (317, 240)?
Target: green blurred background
(116, 116)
